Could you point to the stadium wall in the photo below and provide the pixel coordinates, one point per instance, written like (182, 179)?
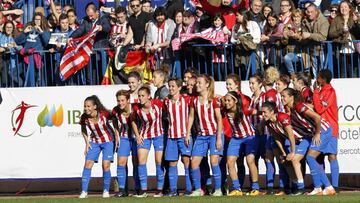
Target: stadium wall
(48, 147)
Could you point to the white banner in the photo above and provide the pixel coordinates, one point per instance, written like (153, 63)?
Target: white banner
(40, 134)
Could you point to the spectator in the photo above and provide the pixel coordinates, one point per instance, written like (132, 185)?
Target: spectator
(146, 6)
(202, 18)
(137, 21)
(315, 29)
(93, 18)
(178, 17)
(8, 60)
(2, 21)
(188, 26)
(67, 8)
(292, 37)
(333, 12)
(36, 34)
(172, 6)
(254, 14)
(34, 38)
(72, 17)
(243, 28)
(226, 9)
(267, 8)
(286, 7)
(13, 11)
(55, 8)
(52, 22)
(356, 5)
(218, 58)
(158, 36)
(271, 38)
(40, 10)
(119, 30)
(342, 31)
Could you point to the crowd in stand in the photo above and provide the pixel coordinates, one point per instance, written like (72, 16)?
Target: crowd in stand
(266, 28)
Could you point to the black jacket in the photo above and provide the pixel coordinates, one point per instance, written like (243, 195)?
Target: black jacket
(102, 37)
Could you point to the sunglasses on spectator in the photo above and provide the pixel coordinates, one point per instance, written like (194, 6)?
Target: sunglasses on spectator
(135, 5)
(199, 8)
(333, 10)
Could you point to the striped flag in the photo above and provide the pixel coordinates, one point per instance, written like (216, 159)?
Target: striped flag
(137, 61)
(77, 56)
(108, 76)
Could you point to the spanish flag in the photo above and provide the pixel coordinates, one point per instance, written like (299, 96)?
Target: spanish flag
(108, 76)
(137, 61)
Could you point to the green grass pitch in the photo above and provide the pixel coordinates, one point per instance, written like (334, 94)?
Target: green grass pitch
(347, 197)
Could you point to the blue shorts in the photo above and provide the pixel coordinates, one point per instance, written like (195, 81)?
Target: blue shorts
(260, 145)
(126, 146)
(177, 146)
(333, 146)
(300, 147)
(204, 143)
(158, 143)
(106, 148)
(237, 145)
(325, 138)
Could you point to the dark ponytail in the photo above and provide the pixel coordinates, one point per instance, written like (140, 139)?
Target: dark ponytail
(239, 106)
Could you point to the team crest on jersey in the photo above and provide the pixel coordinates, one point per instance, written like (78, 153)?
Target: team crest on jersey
(324, 103)
(270, 99)
(285, 121)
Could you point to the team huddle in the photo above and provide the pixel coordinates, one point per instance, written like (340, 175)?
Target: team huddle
(295, 126)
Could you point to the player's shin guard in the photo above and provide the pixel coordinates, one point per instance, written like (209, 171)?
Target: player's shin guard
(143, 176)
(270, 174)
(121, 176)
(107, 180)
(160, 176)
(195, 174)
(86, 175)
(217, 176)
(334, 167)
(173, 177)
(314, 170)
(188, 180)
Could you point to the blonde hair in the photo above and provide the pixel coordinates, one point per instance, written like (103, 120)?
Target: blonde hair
(271, 76)
(211, 89)
(163, 72)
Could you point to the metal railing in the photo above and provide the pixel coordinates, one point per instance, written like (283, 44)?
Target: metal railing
(326, 55)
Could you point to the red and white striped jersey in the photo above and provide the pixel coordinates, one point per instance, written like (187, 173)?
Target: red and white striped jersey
(307, 94)
(151, 122)
(101, 131)
(256, 104)
(242, 129)
(119, 29)
(124, 122)
(178, 114)
(133, 100)
(206, 115)
(273, 96)
(283, 120)
(304, 125)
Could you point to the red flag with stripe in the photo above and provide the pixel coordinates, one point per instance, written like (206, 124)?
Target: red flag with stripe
(77, 56)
